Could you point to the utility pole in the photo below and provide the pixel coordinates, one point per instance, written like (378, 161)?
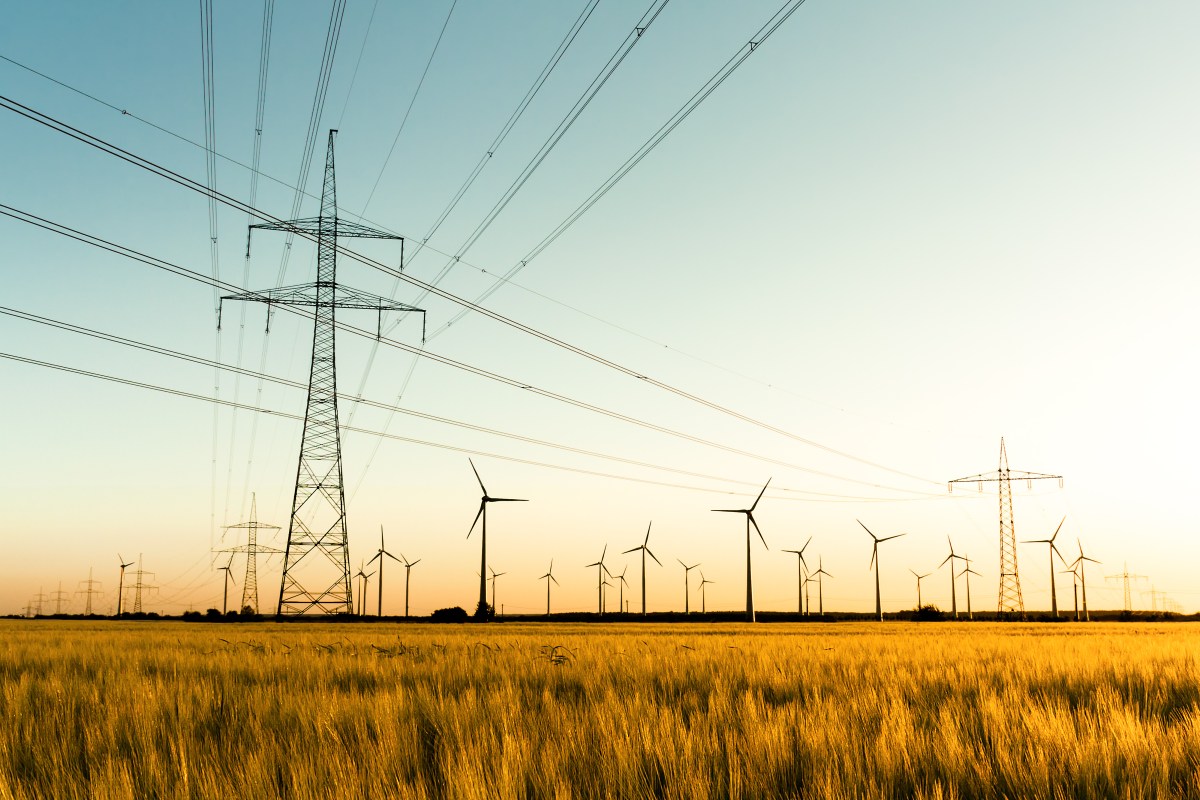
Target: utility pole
(58, 596)
(1010, 600)
(1126, 577)
(140, 585)
(88, 592)
(316, 561)
(251, 549)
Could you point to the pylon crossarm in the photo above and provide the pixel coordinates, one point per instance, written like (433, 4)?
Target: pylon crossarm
(998, 477)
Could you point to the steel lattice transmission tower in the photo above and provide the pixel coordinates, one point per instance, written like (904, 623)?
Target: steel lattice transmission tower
(251, 548)
(1010, 600)
(316, 562)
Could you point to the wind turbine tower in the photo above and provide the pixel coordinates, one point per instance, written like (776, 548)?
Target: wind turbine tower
(379, 554)
(801, 567)
(225, 583)
(549, 576)
(919, 578)
(953, 579)
(876, 541)
(645, 548)
(967, 573)
(749, 512)
(703, 582)
(251, 548)
(600, 570)
(1010, 600)
(482, 513)
(408, 565)
(687, 585)
(121, 580)
(316, 561)
(1053, 552)
(820, 575)
(1081, 563)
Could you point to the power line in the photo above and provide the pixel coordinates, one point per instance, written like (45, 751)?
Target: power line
(411, 103)
(200, 361)
(423, 244)
(664, 130)
(174, 177)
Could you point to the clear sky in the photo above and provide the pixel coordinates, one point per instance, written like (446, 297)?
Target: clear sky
(897, 231)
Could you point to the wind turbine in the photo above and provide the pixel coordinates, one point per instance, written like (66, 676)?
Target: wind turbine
(953, 579)
(549, 576)
(1083, 578)
(379, 554)
(820, 575)
(749, 512)
(622, 584)
(644, 547)
(1074, 587)
(875, 563)
(968, 572)
(801, 568)
(494, 576)
(228, 577)
(600, 570)
(365, 577)
(703, 604)
(121, 581)
(604, 596)
(483, 504)
(1053, 552)
(687, 584)
(919, 578)
(408, 565)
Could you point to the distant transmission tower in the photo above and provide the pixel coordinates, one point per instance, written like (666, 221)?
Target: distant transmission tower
(1126, 577)
(38, 599)
(140, 585)
(88, 592)
(1010, 600)
(316, 563)
(59, 595)
(251, 549)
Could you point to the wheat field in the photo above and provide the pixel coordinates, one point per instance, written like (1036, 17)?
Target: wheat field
(176, 710)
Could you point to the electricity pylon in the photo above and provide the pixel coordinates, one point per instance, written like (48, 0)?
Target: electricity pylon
(1009, 600)
(140, 585)
(89, 591)
(316, 561)
(1126, 577)
(59, 595)
(251, 549)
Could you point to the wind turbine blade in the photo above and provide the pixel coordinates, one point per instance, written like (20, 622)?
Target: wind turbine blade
(647, 539)
(413, 564)
(760, 494)
(874, 550)
(750, 517)
(631, 550)
(1059, 528)
(894, 536)
(481, 486)
(868, 530)
(729, 510)
(375, 557)
(945, 560)
(478, 514)
(556, 583)
(653, 556)
(507, 500)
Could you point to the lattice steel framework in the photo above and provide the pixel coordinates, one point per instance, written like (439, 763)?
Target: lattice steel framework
(316, 561)
(1009, 600)
(251, 548)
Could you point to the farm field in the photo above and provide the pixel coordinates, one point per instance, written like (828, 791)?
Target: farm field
(178, 710)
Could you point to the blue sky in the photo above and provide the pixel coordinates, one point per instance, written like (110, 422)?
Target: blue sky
(901, 232)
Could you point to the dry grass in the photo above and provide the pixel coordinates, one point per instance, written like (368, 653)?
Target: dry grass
(171, 710)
